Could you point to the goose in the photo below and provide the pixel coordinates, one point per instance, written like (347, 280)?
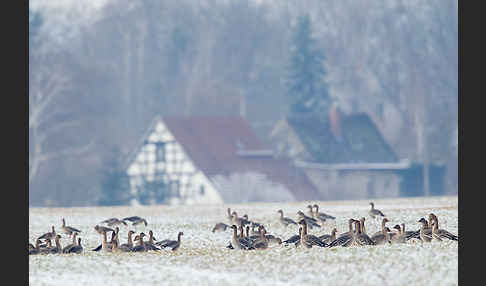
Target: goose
(220, 227)
(362, 225)
(375, 212)
(36, 248)
(246, 241)
(58, 247)
(285, 221)
(69, 230)
(294, 238)
(76, 248)
(382, 237)
(361, 237)
(173, 244)
(47, 248)
(135, 220)
(69, 246)
(271, 238)
(352, 241)
(252, 231)
(400, 236)
(423, 236)
(310, 212)
(322, 216)
(140, 247)
(247, 221)
(262, 242)
(236, 240)
(100, 229)
(344, 237)
(308, 240)
(150, 243)
(239, 220)
(129, 245)
(48, 235)
(114, 221)
(103, 230)
(311, 222)
(328, 238)
(441, 233)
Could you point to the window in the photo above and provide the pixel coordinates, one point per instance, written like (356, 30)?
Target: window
(201, 190)
(175, 188)
(160, 152)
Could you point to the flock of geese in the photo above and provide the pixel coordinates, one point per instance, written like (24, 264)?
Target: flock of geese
(249, 235)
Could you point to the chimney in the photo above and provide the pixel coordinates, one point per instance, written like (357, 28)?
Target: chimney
(334, 118)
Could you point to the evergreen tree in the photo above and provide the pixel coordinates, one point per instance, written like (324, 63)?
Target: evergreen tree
(115, 186)
(306, 89)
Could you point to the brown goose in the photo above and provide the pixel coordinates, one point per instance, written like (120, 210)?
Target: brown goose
(382, 237)
(310, 212)
(114, 221)
(150, 243)
(320, 215)
(328, 238)
(100, 229)
(69, 246)
(58, 247)
(220, 227)
(344, 238)
(423, 236)
(126, 247)
(311, 222)
(285, 221)
(441, 233)
(400, 236)
(173, 244)
(69, 230)
(374, 212)
(140, 247)
(308, 240)
(262, 242)
(48, 235)
(136, 220)
(46, 249)
(77, 248)
(36, 248)
(361, 237)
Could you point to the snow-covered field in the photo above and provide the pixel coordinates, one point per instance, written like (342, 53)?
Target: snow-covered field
(203, 258)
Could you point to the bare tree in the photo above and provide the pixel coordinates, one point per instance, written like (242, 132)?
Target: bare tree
(48, 83)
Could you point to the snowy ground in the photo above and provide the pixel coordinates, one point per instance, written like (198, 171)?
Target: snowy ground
(204, 260)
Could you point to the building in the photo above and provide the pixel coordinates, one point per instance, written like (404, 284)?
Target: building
(211, 160)
(345, 157)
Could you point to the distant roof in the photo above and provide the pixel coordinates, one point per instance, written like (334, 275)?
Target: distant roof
(360, 141)
(225, 145)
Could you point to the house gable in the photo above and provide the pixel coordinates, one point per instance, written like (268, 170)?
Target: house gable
(160, 157)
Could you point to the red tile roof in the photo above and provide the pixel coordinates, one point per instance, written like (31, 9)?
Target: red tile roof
(212, 144)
